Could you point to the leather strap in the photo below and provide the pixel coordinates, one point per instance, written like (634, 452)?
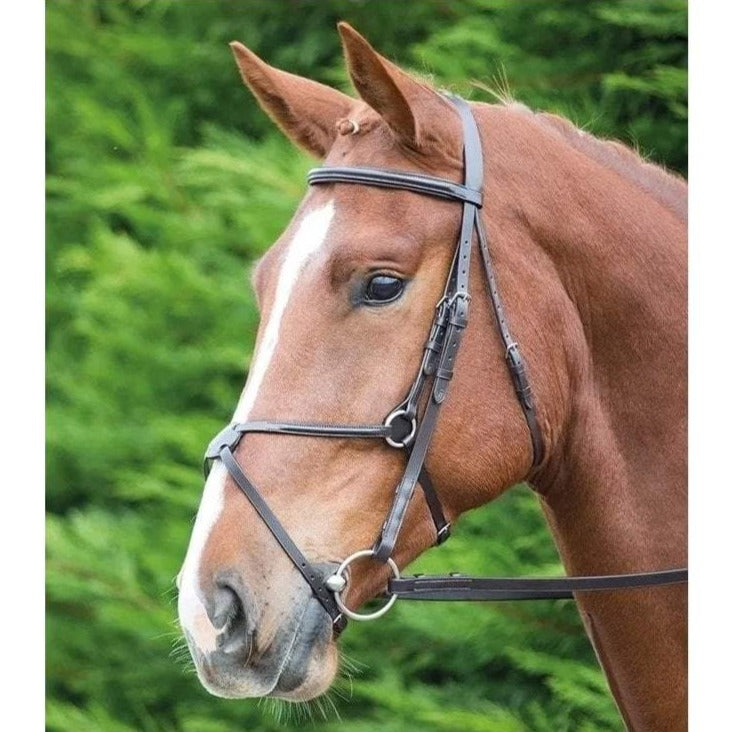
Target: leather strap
(312, 575)
(514, 360)
(400, 180)
(231, 434)
(457, 321)
(456, 587)
(442, 525)
(404, 491)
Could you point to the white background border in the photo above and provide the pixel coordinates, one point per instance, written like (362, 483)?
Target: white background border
(710, 422)
(22, 433)
(22, 362)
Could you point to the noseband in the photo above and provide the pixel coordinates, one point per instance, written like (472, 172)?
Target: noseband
(409, 428)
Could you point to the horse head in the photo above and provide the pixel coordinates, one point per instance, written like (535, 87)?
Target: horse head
(348, 298)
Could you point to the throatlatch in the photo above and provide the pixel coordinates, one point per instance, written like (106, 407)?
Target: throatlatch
(406, 429)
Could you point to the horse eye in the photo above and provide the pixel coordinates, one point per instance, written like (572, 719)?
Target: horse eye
(383, 288)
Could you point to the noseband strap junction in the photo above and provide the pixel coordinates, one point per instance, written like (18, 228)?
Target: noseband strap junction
(411, 424)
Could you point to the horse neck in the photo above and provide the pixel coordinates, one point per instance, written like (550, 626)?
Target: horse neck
(614, 488)
(617, 257)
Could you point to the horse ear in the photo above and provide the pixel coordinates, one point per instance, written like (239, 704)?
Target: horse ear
(402, 101)
(304, 110)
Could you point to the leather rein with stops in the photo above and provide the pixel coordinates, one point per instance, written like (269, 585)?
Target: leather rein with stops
(410, 428)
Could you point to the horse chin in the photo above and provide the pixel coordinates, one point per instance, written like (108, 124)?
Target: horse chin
(311, 663)
(308, 681)
(300, 664)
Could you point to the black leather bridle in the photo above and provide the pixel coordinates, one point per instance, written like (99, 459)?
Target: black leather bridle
(410, 425)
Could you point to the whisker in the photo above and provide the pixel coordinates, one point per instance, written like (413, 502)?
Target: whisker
(328, 699)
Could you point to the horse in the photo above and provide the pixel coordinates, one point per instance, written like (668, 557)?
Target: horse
(588, 242)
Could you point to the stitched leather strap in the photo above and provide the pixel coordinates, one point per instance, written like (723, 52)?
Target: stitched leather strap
(400, 180)
(457, 320)
(456, 587)
(231, 434)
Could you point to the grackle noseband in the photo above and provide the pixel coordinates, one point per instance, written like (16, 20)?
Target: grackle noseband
(409, 426)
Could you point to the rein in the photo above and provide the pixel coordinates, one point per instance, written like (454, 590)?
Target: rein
(406, 429)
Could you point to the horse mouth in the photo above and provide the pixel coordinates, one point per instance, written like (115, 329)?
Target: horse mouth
(298, 665)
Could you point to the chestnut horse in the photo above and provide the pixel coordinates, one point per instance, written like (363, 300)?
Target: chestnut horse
(589, 246)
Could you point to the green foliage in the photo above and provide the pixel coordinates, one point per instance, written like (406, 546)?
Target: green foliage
(165, 182)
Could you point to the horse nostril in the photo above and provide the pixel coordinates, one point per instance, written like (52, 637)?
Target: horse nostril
(225, 607)
(227, 615)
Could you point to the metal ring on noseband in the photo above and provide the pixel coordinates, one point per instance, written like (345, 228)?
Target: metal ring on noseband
(336, 583)
(409, 437)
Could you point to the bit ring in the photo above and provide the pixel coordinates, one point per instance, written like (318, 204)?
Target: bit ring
(338, 580)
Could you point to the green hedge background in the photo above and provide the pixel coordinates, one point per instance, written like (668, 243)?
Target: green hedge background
(164, 182)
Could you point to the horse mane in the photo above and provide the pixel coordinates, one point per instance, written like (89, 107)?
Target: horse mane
(666, 187)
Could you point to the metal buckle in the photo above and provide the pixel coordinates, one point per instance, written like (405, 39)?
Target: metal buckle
(443, 535)
(456, 296)
(458, 316)
(337, 582)
(405, 440)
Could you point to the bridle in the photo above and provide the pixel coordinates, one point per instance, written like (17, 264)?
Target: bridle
(410, 425)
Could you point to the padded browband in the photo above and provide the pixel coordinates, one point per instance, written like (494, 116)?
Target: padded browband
(415, 182)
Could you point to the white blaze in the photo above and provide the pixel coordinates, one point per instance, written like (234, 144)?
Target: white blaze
(309, 236)
(191, 611)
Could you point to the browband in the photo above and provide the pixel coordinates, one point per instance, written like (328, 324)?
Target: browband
(417, 183)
